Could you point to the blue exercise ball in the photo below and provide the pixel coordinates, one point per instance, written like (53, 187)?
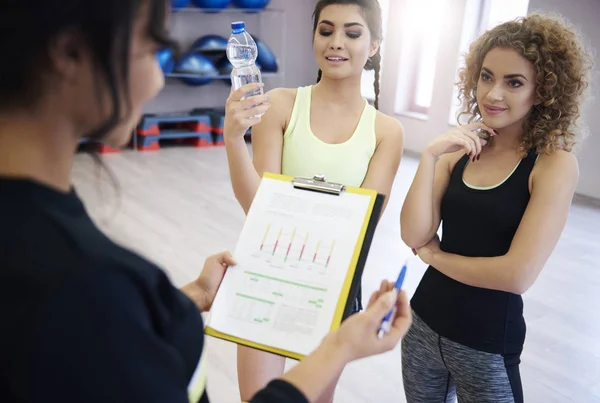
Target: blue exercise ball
(212, 4)
(166, 60)
(177, 4)
(198, 65)
(209, 43)
(251, 4)
(266, 58)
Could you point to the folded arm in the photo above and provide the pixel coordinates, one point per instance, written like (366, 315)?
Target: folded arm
(421, 216)
(553, 185)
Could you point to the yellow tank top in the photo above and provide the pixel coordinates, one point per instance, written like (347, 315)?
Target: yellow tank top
(305, 155)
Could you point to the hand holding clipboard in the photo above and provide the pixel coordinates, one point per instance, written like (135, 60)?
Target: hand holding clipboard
(300, 258)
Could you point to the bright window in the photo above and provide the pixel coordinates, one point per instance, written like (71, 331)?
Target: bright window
(422, 20)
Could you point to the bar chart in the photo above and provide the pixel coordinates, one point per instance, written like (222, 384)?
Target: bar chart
(295, 248)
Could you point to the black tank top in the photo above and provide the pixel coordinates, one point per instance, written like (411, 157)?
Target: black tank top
(477, 223)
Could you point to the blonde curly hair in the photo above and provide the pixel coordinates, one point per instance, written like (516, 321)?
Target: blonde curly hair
(562, 66)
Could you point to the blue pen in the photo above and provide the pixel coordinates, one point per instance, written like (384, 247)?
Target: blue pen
(387, 321)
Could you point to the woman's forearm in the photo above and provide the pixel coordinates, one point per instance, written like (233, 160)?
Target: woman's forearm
(501, 272)
(318, 370)
(308, 379)
(244, 178)
(418, 217)
(196, 295)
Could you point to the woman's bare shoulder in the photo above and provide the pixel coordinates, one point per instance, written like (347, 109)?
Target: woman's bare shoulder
(285, 97)
(388, 128)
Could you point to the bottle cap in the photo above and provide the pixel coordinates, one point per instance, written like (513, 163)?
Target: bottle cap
(238, 25)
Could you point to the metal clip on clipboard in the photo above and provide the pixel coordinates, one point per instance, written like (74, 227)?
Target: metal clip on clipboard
(318, 184)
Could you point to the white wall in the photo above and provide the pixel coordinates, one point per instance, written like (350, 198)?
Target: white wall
(584, 14)
(288, 34)
(420, 130)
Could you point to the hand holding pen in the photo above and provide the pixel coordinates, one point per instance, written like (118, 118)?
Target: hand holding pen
(358, 337)
(389, 318)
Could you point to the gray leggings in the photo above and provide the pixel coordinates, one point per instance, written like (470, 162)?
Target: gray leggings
(438, 370)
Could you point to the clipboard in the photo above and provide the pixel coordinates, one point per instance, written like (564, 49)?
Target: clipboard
(353, 276)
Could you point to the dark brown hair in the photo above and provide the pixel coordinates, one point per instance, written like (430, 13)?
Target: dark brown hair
(371, 12)
(28, 28)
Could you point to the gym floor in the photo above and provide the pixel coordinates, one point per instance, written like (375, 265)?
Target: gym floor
(175, 206)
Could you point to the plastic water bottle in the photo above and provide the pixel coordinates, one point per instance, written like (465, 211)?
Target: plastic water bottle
(242, 52)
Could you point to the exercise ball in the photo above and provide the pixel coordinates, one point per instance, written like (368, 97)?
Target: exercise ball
(177, 4)
(209, 43)
(165, 60)
(196, 64)
(266, 58)
(251, 4)
(212, 4)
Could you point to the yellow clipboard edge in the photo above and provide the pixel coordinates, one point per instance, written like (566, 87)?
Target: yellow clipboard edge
(341, 305)
(280, 177)
(215, 333)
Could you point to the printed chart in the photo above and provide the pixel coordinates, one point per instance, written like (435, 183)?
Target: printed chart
(291, 248)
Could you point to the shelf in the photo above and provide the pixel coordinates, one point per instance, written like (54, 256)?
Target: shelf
(209, 87)
(217, 77)
(229, 10)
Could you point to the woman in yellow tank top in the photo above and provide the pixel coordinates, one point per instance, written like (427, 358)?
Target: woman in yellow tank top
(327, 129)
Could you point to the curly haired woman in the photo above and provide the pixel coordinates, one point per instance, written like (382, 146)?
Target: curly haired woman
(502, 187)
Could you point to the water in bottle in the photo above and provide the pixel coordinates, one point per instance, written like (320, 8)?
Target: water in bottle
(242, 52)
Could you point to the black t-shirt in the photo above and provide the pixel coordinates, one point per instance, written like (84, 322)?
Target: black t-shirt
(85, 320)
(477, 223)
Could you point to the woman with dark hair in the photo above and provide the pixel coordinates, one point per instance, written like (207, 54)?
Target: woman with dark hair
(84, 319)
(327, 128)
(501, 186)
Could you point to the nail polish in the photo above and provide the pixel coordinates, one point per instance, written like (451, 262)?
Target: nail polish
(496, 132)
(478, 156)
